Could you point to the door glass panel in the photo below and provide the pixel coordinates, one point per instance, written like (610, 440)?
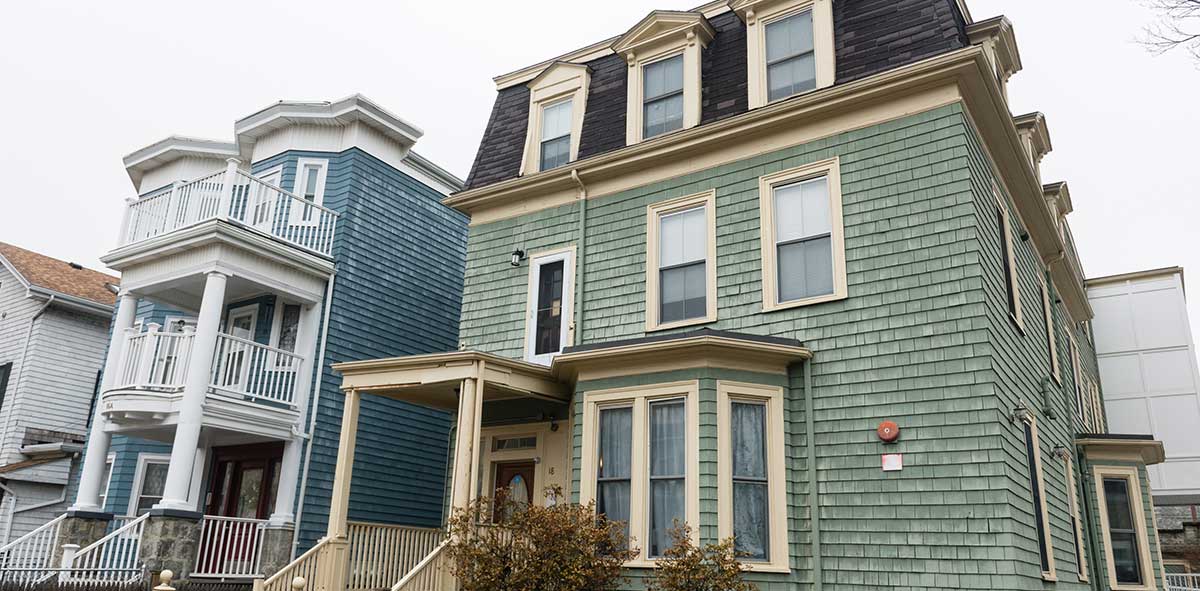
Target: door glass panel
(249, 493)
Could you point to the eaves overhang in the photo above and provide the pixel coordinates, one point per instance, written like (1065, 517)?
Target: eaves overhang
(1100, 447)
(340, 112)
(172, 148)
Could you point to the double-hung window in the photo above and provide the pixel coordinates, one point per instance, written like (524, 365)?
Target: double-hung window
(802, 243)
(149, 482)
(1008, 261)
(1076, 523)
(550, 301)
(662, 96)
(641, 463)
(681, 280)
(751, 481)
(791, 56)
(555, 146)
(1051, 340)
(310, 186)
(1123, 522)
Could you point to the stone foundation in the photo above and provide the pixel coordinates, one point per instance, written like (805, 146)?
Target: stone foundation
(276, 548)
(170, 540)
(1181, 545)
(80, 528)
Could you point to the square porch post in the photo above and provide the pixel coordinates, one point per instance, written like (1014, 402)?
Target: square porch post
(332, 573)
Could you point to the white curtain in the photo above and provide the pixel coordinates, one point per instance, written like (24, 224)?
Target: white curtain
(750, 522)
(612, 490)
(668, 461)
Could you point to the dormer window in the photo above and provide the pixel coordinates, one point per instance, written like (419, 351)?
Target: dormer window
(557, 100)
(791, 62)
(662, 96)
(556, 135)
(789, 47)
(663, 54)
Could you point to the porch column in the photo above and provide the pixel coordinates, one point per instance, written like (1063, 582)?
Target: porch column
(467, 434)
(195, 389)
(339, 504)
(91, 478)
(289, 468)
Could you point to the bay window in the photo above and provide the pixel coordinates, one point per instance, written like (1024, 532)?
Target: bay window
(751, 486)
(657, 485)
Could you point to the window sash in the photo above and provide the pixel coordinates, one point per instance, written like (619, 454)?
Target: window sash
(1127, 561)
(801, 56)
(666, 471)
(1035, 487)
(1010, 295)
(752, 539)
(548, 313)
(802, 217)
(668, 98)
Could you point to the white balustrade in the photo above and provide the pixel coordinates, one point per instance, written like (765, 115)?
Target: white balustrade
(238, 197)
(115, 558)
(30, 557)
(381, 554)
(1183, 582)
(241, 368)
(255, 371)
(154, 359)
(229, 547)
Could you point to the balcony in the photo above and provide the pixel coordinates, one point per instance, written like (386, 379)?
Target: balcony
(235, 197)
(252, 387)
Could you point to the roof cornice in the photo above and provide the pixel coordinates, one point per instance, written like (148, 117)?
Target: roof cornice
(340, 112)
(172, 148)
(662, 25)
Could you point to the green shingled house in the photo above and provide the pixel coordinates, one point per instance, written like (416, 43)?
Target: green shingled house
(786, 270)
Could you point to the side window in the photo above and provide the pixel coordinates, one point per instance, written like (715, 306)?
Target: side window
(662, 96)
(555, 149)
(5, 373)
(150, 481)
(550, 301)
(1008, 261)
(1038, 495)
(1123, 523)
(310, 186)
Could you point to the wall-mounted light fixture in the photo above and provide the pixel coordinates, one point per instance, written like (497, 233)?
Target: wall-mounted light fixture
(1021, 413)
(1061, 452)
(517, 255)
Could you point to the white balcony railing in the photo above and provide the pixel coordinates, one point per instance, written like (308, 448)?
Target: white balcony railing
(240, 368)
(255, 371)
(229, 547)
(234, 196)
(1183, 582)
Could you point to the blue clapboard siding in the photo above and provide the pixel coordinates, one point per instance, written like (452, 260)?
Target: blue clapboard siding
(398, 291)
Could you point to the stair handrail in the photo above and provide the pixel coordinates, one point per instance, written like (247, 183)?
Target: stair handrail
(94, 564)
(432, 560)
(32, 552)
(303, 566)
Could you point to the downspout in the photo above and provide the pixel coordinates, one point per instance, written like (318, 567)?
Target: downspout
(8, 423)
(813, 506)
(579, 263)
(312, 416)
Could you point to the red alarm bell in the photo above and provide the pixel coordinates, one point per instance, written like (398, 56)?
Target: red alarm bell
(888, 431)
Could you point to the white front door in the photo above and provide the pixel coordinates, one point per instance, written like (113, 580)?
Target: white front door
(241, 324)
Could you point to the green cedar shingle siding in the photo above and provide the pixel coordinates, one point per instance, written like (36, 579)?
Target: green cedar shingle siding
(924, 339)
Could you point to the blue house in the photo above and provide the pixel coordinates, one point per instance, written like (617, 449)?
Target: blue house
(248, 268)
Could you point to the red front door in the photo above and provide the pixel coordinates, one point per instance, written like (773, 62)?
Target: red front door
(243, 485)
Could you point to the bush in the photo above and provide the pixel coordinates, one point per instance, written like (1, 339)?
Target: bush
(686, 567)
(563, 547)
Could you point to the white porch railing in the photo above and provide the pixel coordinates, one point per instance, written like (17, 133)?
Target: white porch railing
(304, 567)
(229, 547)
(29, 557)
(235, 196)
(255, 371)
(115, 558)
(1183, 582)
(154, 359)
(382, 554)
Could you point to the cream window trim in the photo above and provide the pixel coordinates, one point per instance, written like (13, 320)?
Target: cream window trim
(557, 83)
(1051, 337)
(772, 398)
(1130, 474)
(638, 398)
(1076, 376)
(757, 14)
(536, 261)
(663, 35)
(654, 213)
(1047, 537)
(1097, 410)
(1011, 269)
(766, 207)
(1073, 507)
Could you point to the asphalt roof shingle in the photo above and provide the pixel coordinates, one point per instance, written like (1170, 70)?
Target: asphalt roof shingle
(61, 276)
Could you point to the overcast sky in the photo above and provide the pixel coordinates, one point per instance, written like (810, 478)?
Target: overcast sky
(85, 83)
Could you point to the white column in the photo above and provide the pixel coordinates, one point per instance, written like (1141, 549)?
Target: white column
(289, 469)
(91, 478)
(195, 388)
(464, 448)
(339, 503)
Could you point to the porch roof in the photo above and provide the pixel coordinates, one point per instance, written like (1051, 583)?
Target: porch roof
(433, 379)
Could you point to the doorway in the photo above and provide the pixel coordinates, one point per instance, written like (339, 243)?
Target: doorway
(514, 482)
(244, 480)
